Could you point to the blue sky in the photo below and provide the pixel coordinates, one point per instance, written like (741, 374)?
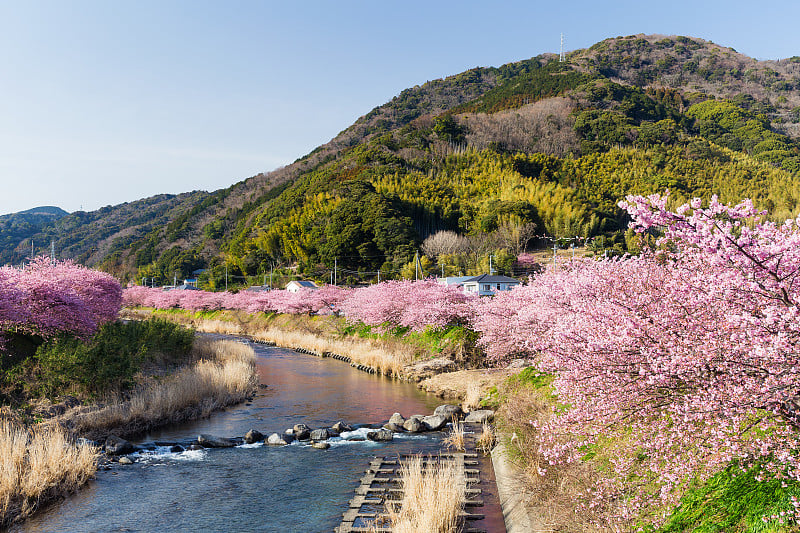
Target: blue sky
(103, 102)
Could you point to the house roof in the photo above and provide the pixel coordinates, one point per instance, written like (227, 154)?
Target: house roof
(257, 288)
(487, 278)
(303, 283)
(454, 280)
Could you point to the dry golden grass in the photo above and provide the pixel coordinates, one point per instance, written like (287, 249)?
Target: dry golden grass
(551, 490)
(223, 327)
(223, 351)
(487, 439)
(319, 334)
(37, 465)
(372, 353)
(472, 397)
(225, 375)
(433, 498)
(456, 437)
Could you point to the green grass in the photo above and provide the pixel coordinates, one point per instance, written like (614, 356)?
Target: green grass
(532, 378)
(734, 501)
(432, 340)
(106, 361)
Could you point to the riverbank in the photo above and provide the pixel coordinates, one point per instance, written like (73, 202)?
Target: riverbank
(411, 357)
(222, 375)
(39, 465)
(43, 461)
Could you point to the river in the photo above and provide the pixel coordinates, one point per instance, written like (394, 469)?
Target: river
(293, 488)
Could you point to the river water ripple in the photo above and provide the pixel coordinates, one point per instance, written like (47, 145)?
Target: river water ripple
(289, 489)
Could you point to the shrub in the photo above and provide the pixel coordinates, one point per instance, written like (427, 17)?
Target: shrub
(110, 359)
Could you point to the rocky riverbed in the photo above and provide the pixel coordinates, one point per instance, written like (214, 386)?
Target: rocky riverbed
(124, 452)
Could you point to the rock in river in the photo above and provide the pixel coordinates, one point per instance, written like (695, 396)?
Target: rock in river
(279, 440)
(413, 425)
(210, 441)
(341, 427)
(125, 460)
(301, 431)
(449, 411)
(398, 419)
(118, 446)
(391, 426)
(320, 445)
(434, 422)
(319, 434)
(480, 416)
(382, 435)
(253, 436)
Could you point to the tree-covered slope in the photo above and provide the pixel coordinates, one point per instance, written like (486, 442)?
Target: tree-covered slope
(543, 142)
(18, 227)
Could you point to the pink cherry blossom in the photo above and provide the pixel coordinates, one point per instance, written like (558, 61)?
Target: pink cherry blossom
(48, 298)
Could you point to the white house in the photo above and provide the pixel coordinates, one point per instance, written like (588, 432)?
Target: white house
(458, 281)
(487, 285)
(295, 286)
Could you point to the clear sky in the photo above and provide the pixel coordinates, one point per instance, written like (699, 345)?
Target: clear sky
(108, 101)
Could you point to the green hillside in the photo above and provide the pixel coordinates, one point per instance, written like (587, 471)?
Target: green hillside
(16, 228)
(486, 154)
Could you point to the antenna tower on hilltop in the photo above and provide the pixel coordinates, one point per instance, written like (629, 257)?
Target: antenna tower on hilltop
(561, 54)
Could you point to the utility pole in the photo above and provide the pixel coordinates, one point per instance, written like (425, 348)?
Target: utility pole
(174, 279)
(491, 270)
(226, 277)
(379, 275)
(271, 268)
(52, 251)
(561, 53)
(416, 266)
(335, 267)
(573, 251)
(442, 269)
(555, 249)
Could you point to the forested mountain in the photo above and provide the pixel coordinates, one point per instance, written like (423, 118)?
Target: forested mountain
(488, 154)
(17, 227)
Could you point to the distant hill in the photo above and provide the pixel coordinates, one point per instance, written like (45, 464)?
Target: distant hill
(44, 212)
(538, 141)
(16, 228)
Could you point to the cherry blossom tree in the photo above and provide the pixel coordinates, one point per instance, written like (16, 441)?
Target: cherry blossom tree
(413, 304)
(686, 357)
(48, 298)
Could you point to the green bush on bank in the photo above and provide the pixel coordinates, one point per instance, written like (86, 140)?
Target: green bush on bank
(734, 501)
(110, 359)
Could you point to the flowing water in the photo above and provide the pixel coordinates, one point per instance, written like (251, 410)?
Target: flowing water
(292, 488)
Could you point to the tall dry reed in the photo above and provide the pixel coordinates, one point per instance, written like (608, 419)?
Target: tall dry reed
(456, 438)
(433, 498)
(37, 465)
(472, 398)
(369, 352)
(224, 375)
(487, 439)
(387, 357)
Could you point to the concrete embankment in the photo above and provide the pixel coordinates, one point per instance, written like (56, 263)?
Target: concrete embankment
(510, 482)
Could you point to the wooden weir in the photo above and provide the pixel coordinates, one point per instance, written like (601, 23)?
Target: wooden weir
(367, 511)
